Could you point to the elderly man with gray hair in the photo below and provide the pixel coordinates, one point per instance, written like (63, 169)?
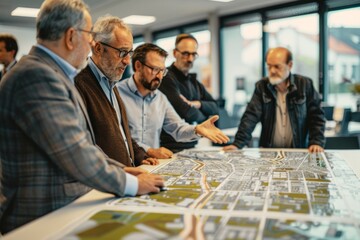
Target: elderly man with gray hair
(111, 52)
(48, 154)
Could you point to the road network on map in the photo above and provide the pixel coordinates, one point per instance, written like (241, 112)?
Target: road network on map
(247, 194)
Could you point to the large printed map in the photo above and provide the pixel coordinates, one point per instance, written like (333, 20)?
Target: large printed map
(245, 194)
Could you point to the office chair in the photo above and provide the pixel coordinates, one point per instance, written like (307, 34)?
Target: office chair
(355, 117)
(328, 112)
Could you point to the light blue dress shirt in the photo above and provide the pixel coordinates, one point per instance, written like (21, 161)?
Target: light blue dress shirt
(150, 114)
(68, 69)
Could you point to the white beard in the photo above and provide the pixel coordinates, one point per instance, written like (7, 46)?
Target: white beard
(275, 80)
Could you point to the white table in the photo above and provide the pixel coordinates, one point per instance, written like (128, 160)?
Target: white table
(57, 221)
(42, 228)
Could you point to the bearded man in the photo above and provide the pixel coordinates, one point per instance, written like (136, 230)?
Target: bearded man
(288, 107)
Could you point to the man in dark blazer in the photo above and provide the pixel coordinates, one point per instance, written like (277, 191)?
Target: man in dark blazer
(111, 54)
(48, 155)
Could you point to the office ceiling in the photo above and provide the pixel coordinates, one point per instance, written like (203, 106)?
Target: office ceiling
(167, 12)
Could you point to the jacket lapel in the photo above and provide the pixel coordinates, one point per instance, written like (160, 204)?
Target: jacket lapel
(67, 82)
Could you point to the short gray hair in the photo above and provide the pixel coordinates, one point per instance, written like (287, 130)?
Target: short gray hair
(57, 16)
(104, 28)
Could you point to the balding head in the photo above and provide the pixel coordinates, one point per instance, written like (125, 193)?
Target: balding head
(280, 51)
(279, 63)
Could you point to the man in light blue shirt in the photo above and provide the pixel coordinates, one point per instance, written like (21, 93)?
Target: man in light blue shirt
(149, 110)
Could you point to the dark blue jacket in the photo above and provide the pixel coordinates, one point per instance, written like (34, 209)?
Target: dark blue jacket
(306, 115)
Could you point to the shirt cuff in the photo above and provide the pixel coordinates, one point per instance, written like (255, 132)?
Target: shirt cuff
(198, 135)
(144, 146)
(131, 186)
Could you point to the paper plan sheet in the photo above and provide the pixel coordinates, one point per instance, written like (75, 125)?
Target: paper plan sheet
(244, 194)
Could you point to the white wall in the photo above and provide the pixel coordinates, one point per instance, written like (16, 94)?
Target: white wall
(26, 38)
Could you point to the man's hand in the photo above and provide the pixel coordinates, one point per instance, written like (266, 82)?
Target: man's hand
(135, 170)
(194, 104)
(230, 147)
(149, 183)
(208, 130)
(162, 153)
(150, 161)
(315, 149)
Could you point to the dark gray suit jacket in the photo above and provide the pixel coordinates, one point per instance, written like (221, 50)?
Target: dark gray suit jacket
(47, 151)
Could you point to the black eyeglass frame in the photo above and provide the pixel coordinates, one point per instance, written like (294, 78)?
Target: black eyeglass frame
(187, 54)
(122, 53)
(92, 34)
(155, 70)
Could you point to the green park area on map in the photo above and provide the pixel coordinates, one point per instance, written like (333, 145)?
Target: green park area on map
(244, 194)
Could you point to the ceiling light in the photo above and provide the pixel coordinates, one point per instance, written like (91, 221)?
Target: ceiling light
(25, 12)
(222, 0)
(139, 20)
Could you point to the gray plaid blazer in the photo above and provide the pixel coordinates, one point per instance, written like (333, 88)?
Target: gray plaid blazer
(47, 151)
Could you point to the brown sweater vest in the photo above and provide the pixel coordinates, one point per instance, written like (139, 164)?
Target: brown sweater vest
(104, 120)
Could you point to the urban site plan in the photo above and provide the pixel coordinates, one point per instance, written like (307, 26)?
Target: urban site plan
(243, 194)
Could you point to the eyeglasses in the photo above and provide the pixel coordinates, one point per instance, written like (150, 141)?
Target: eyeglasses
(122, 53)
(91, 33)
(156, 70)
(187, 54)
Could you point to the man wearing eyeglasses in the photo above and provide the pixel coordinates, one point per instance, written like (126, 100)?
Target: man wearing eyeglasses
(48, 153)
(111, 52)
(150, 110)
(186, 94)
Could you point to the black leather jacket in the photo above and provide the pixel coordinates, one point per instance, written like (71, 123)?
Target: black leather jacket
(306, 115)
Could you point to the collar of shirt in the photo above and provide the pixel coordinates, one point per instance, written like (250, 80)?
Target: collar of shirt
(292, 86)
(68, 69)
(106, 85)
(133, 88)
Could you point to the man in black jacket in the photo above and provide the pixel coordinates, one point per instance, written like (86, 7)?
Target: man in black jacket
(288, 107)
(186, 94)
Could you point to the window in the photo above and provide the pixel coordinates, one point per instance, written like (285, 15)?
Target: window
(138, 40)
(343, 74)
(344, 55)
(168, 44)
(241, 61)
(354, 71)
(245, 39)
(166, 40)
(300, 34)
(202, 64)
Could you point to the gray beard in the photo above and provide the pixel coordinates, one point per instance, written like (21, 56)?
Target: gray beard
(82, 65)
(275, 80)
